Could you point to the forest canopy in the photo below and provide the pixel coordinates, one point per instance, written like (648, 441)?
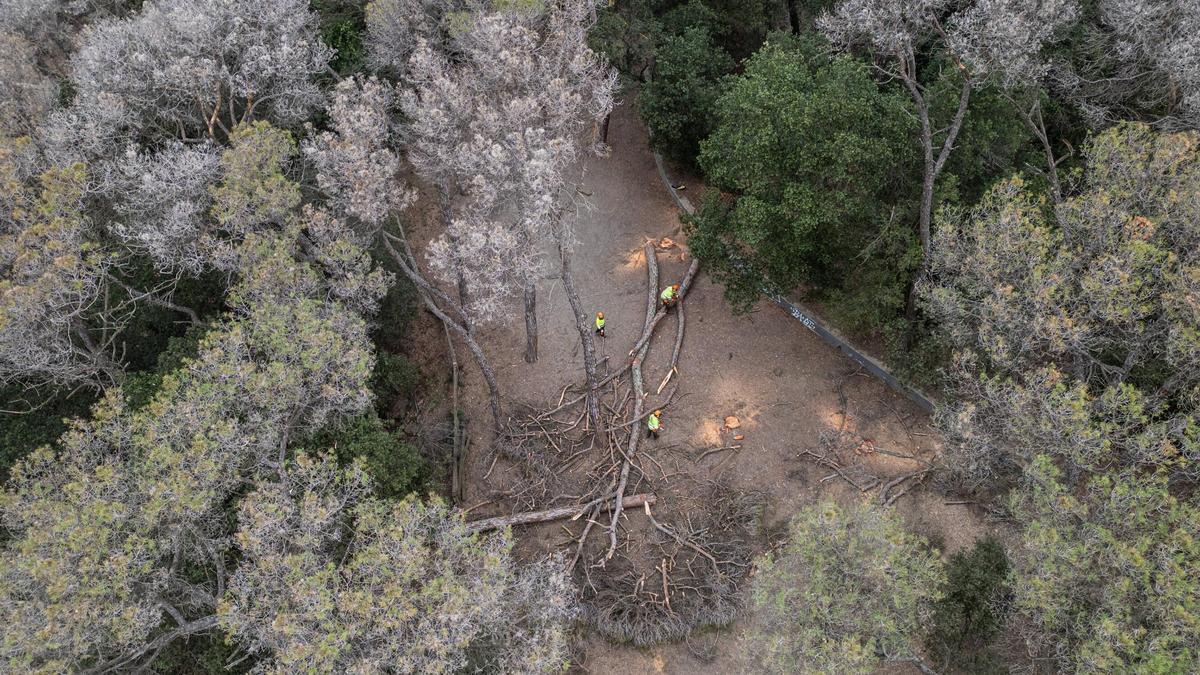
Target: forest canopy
(236, 234)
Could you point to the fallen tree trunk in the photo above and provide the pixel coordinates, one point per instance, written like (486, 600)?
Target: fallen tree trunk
(662, 312)
(575, 510)
(639, 398)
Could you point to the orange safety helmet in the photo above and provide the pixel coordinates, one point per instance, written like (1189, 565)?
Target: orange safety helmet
(658, 413)
(675, 286)
(599, 315)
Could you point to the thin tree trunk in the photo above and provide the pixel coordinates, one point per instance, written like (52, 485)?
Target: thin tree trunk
(1033, 119)
(585, 338)
(455, 452)
(531, 329)
(933, 168)
(99, 357)
(781, 15)
(573, 511)
(604, 128)
(155, 299)
(428, 293)
(123, 662)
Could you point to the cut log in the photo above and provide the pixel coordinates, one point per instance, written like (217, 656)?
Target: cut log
(529, 517)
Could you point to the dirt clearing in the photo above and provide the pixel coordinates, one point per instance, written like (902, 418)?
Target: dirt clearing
(808, 422)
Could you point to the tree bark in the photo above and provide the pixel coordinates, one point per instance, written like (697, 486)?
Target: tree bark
(575, 510)
(155, 299)
(456, 453)
(1037, 124)
(585, 338)
(531, 329)
(933, 166)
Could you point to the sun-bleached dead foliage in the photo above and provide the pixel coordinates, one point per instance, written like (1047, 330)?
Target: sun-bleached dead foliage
(163, 200)
(356, 167)
(1136, 59)
(498, 111)
(1004, 39)
(334, 579)
(55, 327)
(26, 93)
(185, 69)
(394, 27)
(488, 257)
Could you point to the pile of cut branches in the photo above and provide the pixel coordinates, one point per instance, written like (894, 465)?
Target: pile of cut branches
(651, 569)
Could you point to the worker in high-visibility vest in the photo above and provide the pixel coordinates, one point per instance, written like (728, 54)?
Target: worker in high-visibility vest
(669, 295)
(654, 424)
(600, 324)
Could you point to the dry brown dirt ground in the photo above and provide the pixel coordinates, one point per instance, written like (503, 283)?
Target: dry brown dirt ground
(784, 384)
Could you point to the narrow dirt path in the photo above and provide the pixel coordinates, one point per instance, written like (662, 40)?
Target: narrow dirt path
(785, 385)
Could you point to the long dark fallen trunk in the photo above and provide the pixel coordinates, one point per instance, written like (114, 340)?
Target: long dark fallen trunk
(531, 327)
(585, 338)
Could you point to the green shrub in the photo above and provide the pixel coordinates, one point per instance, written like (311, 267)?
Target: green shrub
(140, 386)
(397, 311)
(22, 433)
(806, 149)
(395, 466)
(342, 27)
(202, 655)
(969, 615)
(395, 377)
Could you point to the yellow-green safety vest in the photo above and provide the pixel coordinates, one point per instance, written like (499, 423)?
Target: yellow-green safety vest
(599, 323)
(668, 293)
(652, 422)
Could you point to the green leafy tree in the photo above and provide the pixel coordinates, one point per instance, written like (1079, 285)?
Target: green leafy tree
(849, 590)
(625, 34)
(395, 467)
(101, 524)
(971, 611)
(809, 150)
(1077, 384)
(1108, 578)
(678, 103)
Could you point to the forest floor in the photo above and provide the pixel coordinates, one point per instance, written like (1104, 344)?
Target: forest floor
(791, 393)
